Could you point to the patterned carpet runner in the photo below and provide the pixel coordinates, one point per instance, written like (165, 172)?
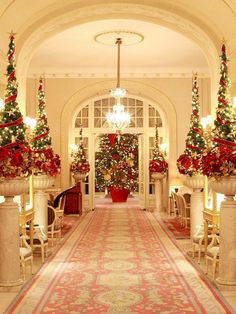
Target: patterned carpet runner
(175, 228)
(118, 260)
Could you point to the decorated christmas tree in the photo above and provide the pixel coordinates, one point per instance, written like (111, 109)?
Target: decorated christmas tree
(117, 162)
(79, 160)
(15, 154)
(103, 163)
(158, 162)
(220, 159)
(45, 162)
(189, 162)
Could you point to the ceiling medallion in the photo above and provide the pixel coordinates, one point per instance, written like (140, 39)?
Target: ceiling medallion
(128, 38)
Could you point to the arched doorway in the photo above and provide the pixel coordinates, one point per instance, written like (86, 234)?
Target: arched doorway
(144, 117)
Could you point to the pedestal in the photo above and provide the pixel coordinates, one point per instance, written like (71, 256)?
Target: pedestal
(158, 190)
(196, 211)
(41, 209)
(227, 253)
(227, 262)
(41, 183)
(196, 183)
(9, 234)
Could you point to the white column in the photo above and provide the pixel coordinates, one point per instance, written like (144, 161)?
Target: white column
(9, 244)
(41, 209)
(196, 212)
(227, 262)
(158, 194)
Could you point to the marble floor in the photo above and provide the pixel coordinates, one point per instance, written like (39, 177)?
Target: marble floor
(6, 297)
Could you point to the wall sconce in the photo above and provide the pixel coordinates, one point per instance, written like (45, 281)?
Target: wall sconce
(175, 183)
(1, 103)
(206, 123)
(163, 148)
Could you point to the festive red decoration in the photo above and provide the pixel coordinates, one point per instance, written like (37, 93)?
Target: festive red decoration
(15, 153)
(189, 163)
(158, 162)
(44, 159)
(220, 159)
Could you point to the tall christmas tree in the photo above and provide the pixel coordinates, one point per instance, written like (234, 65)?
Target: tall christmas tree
(190, 161)
(15, 155)
(79, 160)
(220, 159)
(45, 161)
(224, 131)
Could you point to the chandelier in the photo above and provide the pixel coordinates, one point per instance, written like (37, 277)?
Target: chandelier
(118, 119)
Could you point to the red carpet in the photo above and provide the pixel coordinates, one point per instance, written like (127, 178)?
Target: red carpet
(118, 261)
(173, 225)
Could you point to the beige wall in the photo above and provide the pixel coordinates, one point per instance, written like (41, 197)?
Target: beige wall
(65, 94)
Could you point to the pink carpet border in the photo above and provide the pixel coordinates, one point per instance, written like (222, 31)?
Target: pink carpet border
(217, 294)
(25, 288)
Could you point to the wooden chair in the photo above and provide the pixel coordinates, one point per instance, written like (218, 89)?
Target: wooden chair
(176, 204)
(184, 210)
(40, 240)
(55, 217)
(26, 254)
(212, 254)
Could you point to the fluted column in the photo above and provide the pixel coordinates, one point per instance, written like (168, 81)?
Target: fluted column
(9, 244)
(227, 262)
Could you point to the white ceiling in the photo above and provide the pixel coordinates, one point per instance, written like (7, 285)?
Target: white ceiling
(75, 52)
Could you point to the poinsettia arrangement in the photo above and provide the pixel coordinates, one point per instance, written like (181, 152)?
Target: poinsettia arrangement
(46, 162)
(189, 165)
(220, 161)
(79, 161)
(158, 162)
(15, 161)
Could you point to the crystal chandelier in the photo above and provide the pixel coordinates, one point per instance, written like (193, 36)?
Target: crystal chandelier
(118, 119)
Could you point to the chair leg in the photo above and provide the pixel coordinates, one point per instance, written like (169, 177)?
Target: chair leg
(206, 265)
(23, 269)
(199, 254)
(42, 253)
(214, 269)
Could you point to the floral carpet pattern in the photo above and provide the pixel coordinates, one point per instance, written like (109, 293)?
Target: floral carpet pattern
(118, 260)
(175, 228)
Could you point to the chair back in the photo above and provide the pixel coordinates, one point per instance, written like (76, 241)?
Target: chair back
(51, 215)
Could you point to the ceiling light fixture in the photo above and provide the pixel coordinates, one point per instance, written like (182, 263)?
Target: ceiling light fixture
(118, 119)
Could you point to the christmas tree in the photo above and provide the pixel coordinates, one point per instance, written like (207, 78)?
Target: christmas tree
(15, 155)
(103, 163)
(79, 160)
(158, 162)
(44, 160)
(117, 162)
(190, 161)
(224, 131)
(220, 159)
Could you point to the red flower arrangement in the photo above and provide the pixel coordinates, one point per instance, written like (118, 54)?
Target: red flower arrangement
(15, 161)
(188, 164)
(79, 166)
(158, 165)
(219, 161)
(46, 162)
